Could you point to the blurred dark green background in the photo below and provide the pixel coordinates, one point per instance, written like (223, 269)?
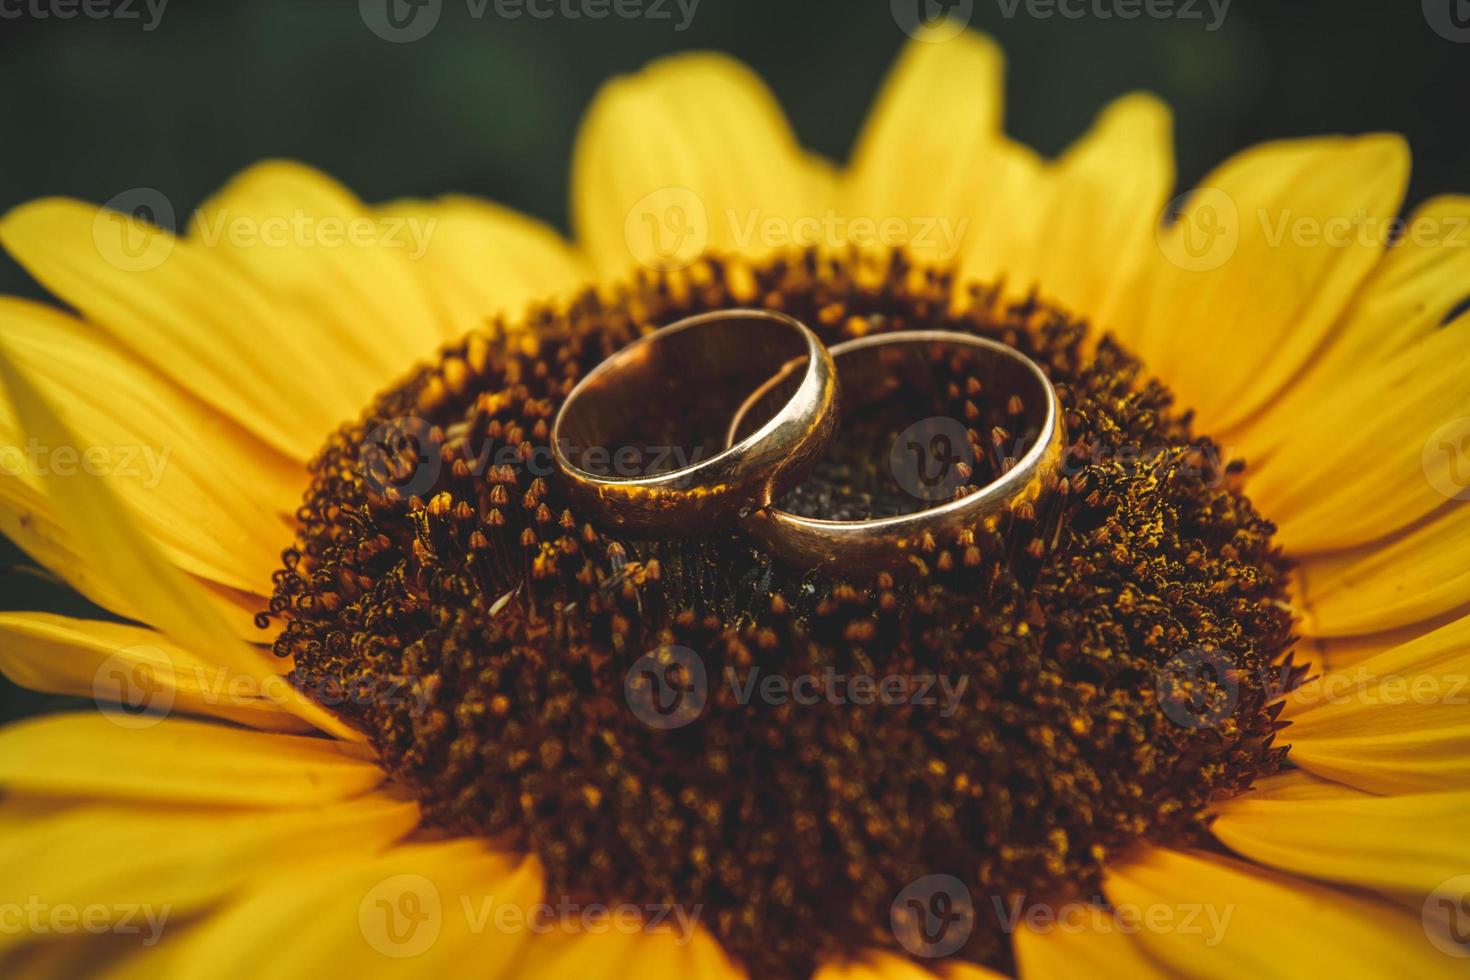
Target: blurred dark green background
(489, 105)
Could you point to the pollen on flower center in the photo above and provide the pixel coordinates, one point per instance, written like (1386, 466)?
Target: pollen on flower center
(1098, 671)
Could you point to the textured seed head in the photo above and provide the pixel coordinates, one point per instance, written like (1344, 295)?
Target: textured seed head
(793, 825)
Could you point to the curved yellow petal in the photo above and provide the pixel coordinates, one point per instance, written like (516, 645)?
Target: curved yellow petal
(27, 522)
(215, 499)
(343, 278)
(188, 315)
(1383, 451)
(1263, 260)
(1104, 198)
(1409, 578)
(1217, 917)
(932, 151)
(1351, 837)
(873, 965)
(129, 670)
(418, 910)
(1420, 282)
(612, 954)
(482, 260)
(168, 862)
(1091, 942)
(1396, 722)
(129, 562)
(689, 155)
(168, 760)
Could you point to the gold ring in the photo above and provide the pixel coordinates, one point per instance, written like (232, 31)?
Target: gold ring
(1024, 457)
(630, 441)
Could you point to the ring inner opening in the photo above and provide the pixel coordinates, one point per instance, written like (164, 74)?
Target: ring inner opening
(667, 405)
(942, 418)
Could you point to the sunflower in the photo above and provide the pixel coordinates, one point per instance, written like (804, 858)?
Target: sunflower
(1216, 720)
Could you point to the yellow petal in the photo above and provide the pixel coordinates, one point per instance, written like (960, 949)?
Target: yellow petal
(343, 278)
(1089, 942)
(214, 498)
(692, 154)
(578, 955)
(1403, 844)
(1256, 270)
(418, 910)
(1397, 722)
(170, 862)
(1383, 451)
(179, 309)
(1420, 281)
(176, 761)
(26, 520)
(1216, 917)
(121, 665)
(482, 260)
(883, 965)
(932, 150)
(1104, 199)
(127, 561)
(1409, 578)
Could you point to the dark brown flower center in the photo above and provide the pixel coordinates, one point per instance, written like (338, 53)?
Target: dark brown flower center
(789, 757)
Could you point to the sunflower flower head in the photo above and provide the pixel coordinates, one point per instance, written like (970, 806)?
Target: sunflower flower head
(1164, 686)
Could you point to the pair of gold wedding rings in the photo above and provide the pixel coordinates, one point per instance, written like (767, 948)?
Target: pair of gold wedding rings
(710, 421)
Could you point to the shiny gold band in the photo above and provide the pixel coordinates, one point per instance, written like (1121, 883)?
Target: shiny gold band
(615, 434)
(872, 368)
